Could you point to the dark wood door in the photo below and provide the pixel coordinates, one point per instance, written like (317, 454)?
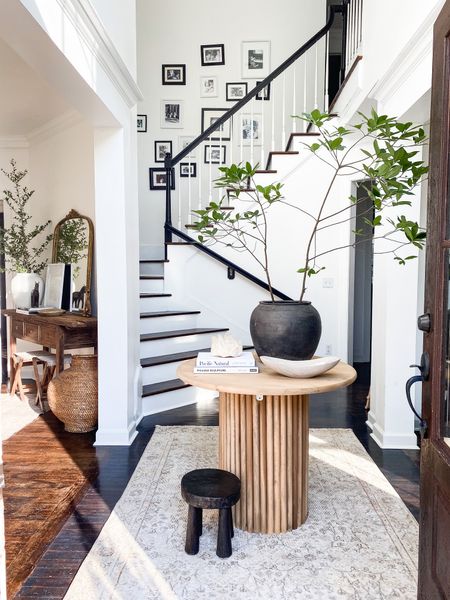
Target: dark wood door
(434, 553)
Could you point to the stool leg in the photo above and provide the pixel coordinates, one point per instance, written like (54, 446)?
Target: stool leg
(38, 384)
(193, 529)
(224, 535)
(231, 523)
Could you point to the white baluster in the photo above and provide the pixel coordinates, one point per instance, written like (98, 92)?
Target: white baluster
(283, 111)
(272, 102)
(294, 98)
(189, 194)
(263, 103)
(201, 155)
(326, 93)
(231, 140)
(252, 133)
(179, 198)
(210, 172)
(316, 76)
(241, 136)
(305, 76)
(220, 156)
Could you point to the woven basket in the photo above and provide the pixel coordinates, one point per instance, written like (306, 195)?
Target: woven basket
(73, 395)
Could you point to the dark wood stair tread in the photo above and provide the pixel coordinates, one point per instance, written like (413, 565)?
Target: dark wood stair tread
(168, 313)
(154, 295)
(163, 386)
(164, 359)
(262, 171)
(162, 335)
(153, 260)
(151, 277)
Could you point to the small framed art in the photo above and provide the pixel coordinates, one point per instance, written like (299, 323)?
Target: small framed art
(209, 117)
(174, 74)
(142, 123)
(264, 94)
(236, 91)
(161, 149)
(251, 129)
(185, 140)
(208, 87)
(255, 60)
(215, 154)
(188, 169)
(158, 178)
(212, 54)
(172, 114)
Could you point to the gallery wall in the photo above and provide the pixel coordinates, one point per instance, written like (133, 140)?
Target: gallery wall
(172, 33)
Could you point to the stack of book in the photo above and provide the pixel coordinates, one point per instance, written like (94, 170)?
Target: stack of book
(208, 363)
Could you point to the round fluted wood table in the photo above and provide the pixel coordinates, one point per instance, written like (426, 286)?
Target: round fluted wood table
(263, 439)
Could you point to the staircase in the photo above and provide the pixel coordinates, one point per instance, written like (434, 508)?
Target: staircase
(169, 334)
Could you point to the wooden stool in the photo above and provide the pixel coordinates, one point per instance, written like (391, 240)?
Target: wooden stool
(35, 358)
(210, 488)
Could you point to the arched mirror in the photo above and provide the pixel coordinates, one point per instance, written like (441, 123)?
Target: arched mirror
(73, 243)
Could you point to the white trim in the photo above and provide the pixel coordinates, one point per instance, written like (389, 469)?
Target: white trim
(400, 441)
(87, 23)
(13, 141)
(371, 420)
(418, 49)
(116, 437)
(54, 126)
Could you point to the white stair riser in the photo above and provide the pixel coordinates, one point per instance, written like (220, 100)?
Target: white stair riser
(284, 163)
(151, 285)
(168, 400)
(153, 324)
(176, 344)
(151, 268)
(159, 373)
(158, 303)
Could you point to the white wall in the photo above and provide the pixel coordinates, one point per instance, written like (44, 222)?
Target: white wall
(172, 33)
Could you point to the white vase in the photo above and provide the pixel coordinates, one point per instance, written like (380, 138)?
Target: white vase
(22, 284)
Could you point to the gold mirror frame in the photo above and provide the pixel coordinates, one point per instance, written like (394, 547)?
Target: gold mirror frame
(73, 214)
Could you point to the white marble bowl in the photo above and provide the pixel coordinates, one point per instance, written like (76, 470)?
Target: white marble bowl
(302, 369)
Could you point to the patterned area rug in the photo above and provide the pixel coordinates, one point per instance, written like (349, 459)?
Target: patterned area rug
(359, 541)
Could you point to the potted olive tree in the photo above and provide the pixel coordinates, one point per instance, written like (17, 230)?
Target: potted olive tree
(21, 243)
(380, 150)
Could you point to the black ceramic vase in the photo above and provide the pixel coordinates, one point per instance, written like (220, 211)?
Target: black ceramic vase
(285, 329)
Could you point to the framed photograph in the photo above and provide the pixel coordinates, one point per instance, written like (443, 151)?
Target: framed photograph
(158, 177)
(236, 91)
(255, 60)
(212, 54)
(209, 117)
(54, 284)
(251, 129)
(264, 94)
(174, 74)
(172, 114)
(161, 149)
(142, 123)
(188, 169)
(185, 140)
(215, 154)
(208, 87)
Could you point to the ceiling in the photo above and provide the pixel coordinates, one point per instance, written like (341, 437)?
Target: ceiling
(27, 102)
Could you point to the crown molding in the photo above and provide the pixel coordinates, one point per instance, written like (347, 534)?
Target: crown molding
(418, 49)
(90, 28)
(13, 142)
(54, 126)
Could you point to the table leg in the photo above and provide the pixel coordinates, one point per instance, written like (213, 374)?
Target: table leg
(274, 467)
(12, 351)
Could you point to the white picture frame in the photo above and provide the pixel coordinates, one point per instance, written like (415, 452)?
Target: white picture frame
(172, 114)
(185, 140)
(54, 284)
(255, 59)
(251, 128)
(209, 87)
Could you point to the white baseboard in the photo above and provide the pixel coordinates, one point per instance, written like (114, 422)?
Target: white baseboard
(393, 441)
(371, 420)
(116, 437)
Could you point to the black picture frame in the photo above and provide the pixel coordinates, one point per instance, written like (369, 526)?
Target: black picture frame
(157, 153)
(223, 149)
(169, 74)
(226, 127)
(212, 54)
(243, 84)
(192, 166)
(264, 94)
(141, 127)
(155, 185)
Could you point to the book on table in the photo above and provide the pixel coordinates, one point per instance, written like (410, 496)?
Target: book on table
(228, 370)
(207, 359)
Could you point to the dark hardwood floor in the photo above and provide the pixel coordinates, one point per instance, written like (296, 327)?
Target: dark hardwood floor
(106, 471)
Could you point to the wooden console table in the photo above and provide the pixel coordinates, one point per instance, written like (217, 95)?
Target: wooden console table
(263, 439)
(61, 333)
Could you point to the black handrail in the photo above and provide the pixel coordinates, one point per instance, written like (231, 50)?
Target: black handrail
(234, 109)
(224, 261)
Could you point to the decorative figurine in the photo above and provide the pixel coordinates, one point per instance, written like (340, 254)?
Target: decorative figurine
(35, 296)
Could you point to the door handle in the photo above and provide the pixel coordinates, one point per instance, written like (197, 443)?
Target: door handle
(424, 369)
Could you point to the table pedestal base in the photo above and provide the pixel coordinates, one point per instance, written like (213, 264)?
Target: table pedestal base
(265, 443)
